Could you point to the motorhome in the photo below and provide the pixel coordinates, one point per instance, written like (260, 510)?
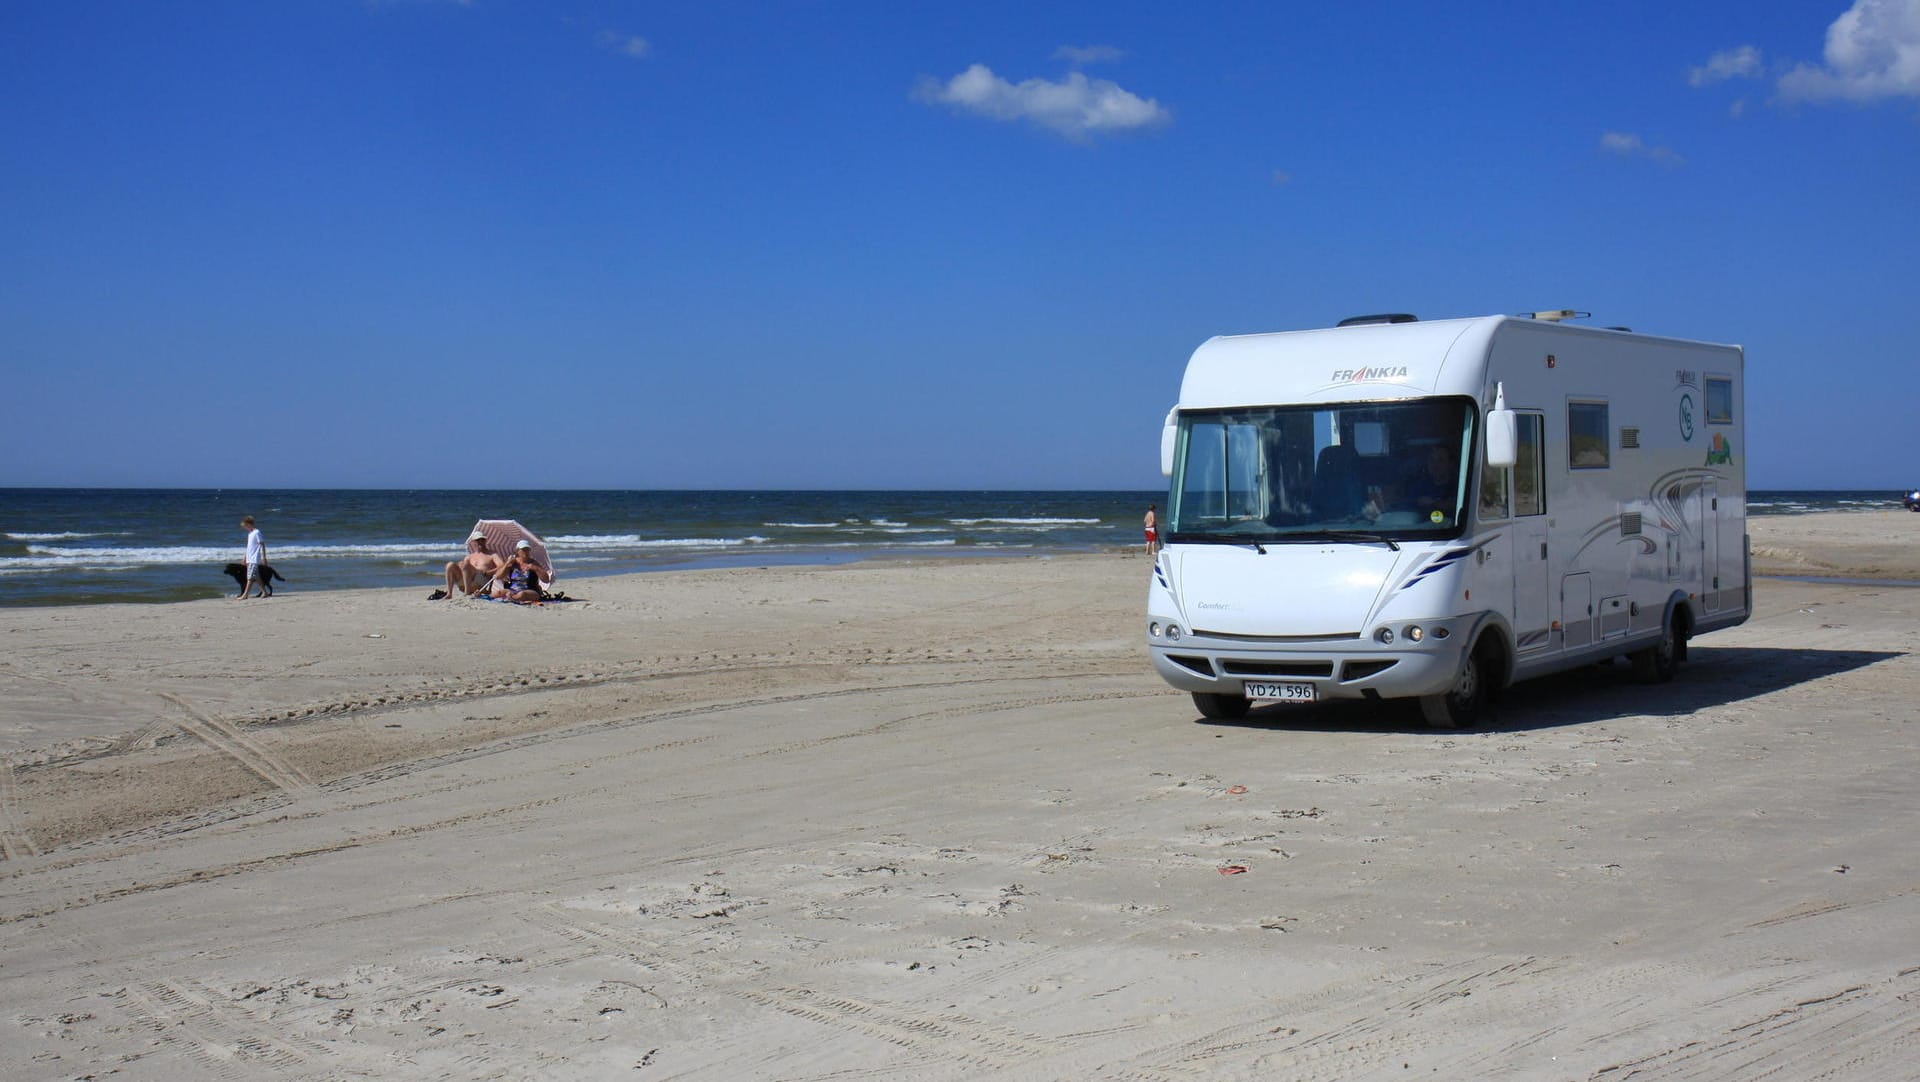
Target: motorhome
(1431, 510)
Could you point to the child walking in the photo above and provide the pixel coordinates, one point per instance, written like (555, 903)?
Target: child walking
(256, 555)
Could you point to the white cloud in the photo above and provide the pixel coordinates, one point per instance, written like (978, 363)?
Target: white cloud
(632, 45)
(1621, 142)
(1873, 51)
(1088, 54)
(1076, 107)
(1739, 63)
(1629, 145)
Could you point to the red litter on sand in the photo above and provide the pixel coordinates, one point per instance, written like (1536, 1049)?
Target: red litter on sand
(1233, 869)
(1237, 790)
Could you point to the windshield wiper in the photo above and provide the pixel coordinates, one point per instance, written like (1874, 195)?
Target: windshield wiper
(1217, 539)
(1351, 535)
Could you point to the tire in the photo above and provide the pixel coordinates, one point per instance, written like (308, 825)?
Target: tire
(1222, 707)
(1658, 663)
(1462, 704)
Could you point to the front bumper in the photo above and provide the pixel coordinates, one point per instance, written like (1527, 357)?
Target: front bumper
(1354, 668)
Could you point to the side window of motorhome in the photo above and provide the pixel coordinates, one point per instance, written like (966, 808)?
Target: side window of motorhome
(1587, 427)
(1493, 492)
(1530, 468)
(1719, 400)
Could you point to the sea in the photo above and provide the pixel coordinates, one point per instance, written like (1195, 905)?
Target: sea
(83, 546)
(91, 545)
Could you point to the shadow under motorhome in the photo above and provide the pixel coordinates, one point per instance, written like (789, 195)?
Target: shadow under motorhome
(1432, 510)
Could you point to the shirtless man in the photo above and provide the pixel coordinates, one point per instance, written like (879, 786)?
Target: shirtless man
(1153, 529)
(470, 574)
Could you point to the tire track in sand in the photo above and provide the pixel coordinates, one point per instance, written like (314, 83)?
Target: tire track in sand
(224, 737)
(14, 842)
(266, 768)
(1855, 1031)
(221, 1037)
(944, 1036)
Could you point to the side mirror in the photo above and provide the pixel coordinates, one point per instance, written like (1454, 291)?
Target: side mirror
(1503, 439)
(1168, 431)
(1503, 433)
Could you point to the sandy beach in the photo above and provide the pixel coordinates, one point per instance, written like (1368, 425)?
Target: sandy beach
(938, 820)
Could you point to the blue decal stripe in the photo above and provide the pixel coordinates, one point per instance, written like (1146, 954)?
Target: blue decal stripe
(1444, 560)
(1448, 558)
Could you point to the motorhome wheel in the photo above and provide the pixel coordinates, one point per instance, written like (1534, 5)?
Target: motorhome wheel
(1220, 706)
(1462, 704)
(1658, 663)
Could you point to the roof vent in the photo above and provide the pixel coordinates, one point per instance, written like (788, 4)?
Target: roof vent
(1384, 317)
(1558, 314)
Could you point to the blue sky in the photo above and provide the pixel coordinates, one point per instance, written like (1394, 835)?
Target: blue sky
(895, 245)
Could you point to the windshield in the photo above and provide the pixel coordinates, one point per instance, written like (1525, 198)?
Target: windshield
(1279, 473)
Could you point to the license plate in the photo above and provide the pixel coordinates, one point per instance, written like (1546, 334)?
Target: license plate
(1284, 693)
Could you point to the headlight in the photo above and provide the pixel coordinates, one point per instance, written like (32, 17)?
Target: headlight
(1154, 629)
(1383, 636)
(1414, 634)
(1173, 632)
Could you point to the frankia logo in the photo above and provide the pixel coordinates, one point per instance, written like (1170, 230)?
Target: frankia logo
(1363, 375)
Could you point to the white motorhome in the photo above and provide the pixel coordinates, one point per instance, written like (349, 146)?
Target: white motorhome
(1432, 510)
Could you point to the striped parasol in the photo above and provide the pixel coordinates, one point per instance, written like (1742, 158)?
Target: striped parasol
(504, 533)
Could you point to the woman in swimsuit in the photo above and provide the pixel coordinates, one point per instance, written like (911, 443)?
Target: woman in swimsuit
(519, 580)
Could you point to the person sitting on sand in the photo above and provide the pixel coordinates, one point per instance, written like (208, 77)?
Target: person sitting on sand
(519, 579)
(468, 575)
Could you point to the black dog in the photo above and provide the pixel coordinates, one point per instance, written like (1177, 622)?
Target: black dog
(238, 573)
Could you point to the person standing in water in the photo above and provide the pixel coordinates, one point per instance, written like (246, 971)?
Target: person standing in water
(1153, 529)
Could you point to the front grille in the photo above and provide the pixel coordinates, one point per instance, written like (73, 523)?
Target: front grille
(1277, 668)
(1331, 636)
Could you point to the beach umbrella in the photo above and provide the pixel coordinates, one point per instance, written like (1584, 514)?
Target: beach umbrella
(503, 534)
